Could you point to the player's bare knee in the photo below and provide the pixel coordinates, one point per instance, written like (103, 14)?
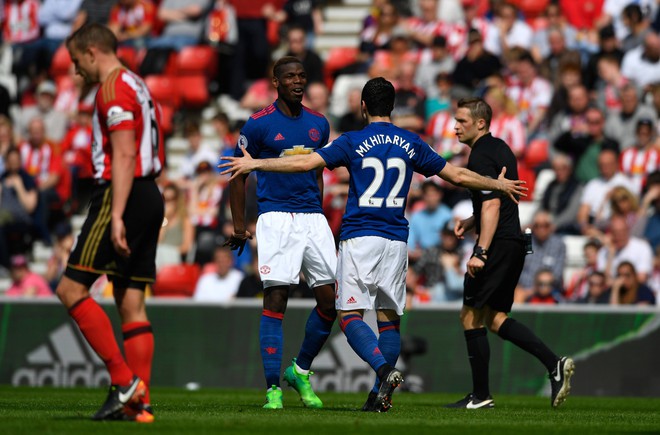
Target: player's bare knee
(275, 299)
(495, 321)
(70, 292)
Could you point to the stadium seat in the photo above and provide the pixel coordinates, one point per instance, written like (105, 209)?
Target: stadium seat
(129, 57)
(575, 250)
(543, 180)
(193, 90)
(60, 63)
(176, 280)
(163, 89)
(526, 210)
(528, 175)
(196, 60)
(338, 57)
(166, 119)
(536, 153)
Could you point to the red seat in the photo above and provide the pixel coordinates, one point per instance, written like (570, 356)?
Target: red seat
(196, 60)
(338, 57)
(129, 57)
(536, 153)
(166, 119)
(176, 280)
(193, 90)
(61, 62)
(163, 89)
(529, 176)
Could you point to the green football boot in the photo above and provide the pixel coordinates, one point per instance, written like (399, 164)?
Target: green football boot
(274, 398)
(301, 384)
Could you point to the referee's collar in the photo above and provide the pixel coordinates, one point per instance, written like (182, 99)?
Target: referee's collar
(480, 139)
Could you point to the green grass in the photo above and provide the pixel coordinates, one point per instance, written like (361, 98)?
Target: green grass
(66, 411)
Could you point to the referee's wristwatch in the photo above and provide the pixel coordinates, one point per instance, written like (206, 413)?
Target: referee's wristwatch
(480, 252)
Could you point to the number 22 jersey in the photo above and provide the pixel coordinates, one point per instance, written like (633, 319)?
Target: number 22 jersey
(381, 159)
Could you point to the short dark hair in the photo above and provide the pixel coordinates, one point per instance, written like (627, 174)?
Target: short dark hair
(479, 109)
(430, 184)
(286, 60)
(439, 41)
(294, 27)
(627, 264)
(94, 34)
(633, 12)
(378, 94)
(598, 274)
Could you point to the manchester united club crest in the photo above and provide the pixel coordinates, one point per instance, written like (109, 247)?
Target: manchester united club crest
(265, 270)
(314, 134)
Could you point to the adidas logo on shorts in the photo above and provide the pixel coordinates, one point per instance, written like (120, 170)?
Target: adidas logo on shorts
(351, 300)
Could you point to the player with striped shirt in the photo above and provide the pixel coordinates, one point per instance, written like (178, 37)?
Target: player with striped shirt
(120, 234)
(373, 256)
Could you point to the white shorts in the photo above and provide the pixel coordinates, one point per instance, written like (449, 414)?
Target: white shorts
(372, 274)
(290, 243)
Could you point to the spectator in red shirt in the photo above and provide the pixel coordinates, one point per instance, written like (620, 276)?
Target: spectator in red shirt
(76, 149)
(20, 28)
(132, 22)
(42, 161)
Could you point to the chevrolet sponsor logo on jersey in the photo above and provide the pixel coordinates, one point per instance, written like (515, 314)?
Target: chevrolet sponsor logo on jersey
(295, 150)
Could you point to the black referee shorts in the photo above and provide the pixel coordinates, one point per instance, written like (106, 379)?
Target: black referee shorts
(93, 253)
(495, 284)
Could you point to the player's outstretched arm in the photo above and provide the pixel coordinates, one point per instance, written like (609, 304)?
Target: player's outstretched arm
(466, 178)
(240, 235)
(246, 164)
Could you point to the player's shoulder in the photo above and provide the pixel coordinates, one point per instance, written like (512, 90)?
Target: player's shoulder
(263, 113)
(313, 112)
(118, 83)
(108, 89)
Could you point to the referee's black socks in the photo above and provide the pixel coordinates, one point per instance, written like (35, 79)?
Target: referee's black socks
(479, 356)
(524, 338)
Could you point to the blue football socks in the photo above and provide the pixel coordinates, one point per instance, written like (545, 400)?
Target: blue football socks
(271, 341)
(389, 343)
(317, 331)
(363, 340)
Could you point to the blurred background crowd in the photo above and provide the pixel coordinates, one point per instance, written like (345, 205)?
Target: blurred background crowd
(574, 87)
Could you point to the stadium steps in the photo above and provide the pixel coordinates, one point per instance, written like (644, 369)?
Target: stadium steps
(342, 25)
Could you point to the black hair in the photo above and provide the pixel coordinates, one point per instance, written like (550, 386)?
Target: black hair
(378, 94)
(286, 60)
(633, 12)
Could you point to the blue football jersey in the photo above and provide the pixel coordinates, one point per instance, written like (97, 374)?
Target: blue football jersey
(381, 159)
(270, 133)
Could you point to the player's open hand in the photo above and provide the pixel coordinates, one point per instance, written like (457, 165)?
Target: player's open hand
(237, 241)
(238, 165)
(118, 237)
(512, 188)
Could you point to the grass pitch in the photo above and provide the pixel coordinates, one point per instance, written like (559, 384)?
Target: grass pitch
(67, 411)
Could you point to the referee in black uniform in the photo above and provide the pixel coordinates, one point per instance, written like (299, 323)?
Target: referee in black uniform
(496, 263)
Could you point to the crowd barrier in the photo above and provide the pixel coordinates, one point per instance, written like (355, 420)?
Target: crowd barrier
(200, 345)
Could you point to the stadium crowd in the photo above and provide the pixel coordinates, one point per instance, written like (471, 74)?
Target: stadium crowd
(574, 88)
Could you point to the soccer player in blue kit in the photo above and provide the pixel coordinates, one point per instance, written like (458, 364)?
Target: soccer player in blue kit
(373, 256)
(292, 232)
